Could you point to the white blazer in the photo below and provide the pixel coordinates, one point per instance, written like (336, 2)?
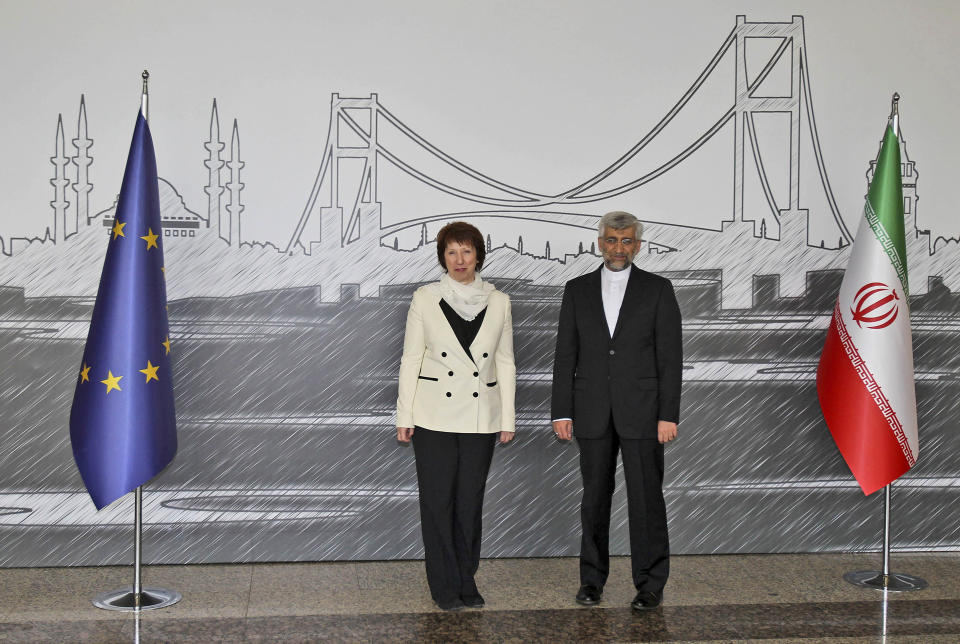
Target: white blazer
(440, 387)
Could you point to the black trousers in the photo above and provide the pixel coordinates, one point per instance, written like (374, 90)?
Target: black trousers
(452, 476)
(643, 471)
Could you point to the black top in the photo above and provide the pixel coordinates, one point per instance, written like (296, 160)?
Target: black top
(466, 331)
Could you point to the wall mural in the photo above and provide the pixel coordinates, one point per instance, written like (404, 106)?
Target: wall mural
(285, 357)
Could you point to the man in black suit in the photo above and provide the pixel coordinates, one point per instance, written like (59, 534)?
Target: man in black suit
(616, 387)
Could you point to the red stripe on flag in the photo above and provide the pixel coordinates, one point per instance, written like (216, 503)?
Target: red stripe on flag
(859, 428)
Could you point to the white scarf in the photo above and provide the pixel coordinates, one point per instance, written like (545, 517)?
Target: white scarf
(466, 299)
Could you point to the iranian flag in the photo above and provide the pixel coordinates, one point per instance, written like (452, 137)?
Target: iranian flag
(865, 377)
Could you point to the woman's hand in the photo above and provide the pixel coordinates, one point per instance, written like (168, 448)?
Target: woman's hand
(506, 437)
(404, 434)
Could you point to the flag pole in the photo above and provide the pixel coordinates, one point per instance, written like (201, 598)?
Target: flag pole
(137, 597)
(885, 580)
(138, 494)
(886, 534)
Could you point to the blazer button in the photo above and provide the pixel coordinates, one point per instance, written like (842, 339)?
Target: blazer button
(444, 354)
(449, 394)
(475, 374)
(475, 394)
(449, 373)
(485, 355)
(612, 352)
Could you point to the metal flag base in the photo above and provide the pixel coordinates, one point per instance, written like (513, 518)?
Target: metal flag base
(884, 579)
(124, 599)
(895, 581)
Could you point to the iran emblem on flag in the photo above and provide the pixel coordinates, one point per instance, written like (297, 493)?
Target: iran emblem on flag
(865, 378)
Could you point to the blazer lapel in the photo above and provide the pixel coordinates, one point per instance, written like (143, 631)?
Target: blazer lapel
(631, 298)
(451, 335)
(485, 325)
(595, 300)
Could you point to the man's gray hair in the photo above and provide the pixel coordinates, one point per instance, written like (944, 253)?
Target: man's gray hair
(619, 220)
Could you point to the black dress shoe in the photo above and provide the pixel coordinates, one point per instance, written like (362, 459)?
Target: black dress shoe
(473, 601)
(589, 595)
(647, 600)
(450, 604)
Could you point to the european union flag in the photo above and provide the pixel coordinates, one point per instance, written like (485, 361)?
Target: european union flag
(122, 424)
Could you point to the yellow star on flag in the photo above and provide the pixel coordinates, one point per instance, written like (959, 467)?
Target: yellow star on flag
(85, 373)
(150, 372)
(118, 229)
(112, 382)
(150, 238)
(166, 344)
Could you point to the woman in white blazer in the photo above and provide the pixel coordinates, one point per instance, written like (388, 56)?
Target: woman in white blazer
(455, 400)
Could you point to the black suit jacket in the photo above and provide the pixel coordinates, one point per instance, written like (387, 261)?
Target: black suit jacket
(634, 375)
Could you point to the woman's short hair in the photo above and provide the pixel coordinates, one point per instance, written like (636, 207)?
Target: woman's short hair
(463, 233)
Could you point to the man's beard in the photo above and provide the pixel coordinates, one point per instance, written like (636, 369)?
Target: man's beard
(610, 264)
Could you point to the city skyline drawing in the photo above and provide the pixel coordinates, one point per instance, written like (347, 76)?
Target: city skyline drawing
(285, 354)
(338, 219)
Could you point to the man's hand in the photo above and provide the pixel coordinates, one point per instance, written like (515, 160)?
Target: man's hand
(563, 429)
(404, 434)
(506, 437)
(666, 431)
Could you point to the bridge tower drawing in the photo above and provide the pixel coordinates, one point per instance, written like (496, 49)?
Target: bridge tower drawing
(751, 99)
(348, 176)
(345, 204)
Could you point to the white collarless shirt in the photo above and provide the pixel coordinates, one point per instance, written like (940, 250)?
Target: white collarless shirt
(613, 284)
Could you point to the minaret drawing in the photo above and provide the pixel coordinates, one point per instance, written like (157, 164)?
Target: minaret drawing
(919, 241)
(82, 160)
(214, 164)
(235, 207)
(60, 183)
(908, 172)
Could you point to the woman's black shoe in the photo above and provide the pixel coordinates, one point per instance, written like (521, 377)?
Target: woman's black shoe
(450, 604)
(473, 601)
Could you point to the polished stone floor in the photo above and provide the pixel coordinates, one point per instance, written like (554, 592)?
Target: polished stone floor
(730, 598)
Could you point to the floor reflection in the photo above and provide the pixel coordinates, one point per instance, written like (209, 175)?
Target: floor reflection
(795, 598)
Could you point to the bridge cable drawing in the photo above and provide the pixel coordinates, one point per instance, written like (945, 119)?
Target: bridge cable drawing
(349, 215)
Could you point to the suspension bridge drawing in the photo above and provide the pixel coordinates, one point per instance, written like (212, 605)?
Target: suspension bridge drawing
(285, 354)
(362, 120)
(381, 187)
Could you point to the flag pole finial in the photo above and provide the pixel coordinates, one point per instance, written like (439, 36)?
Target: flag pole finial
(143, 95)
(895, 113)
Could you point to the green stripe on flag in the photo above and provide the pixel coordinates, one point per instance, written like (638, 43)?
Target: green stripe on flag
(884, 207)
(888, 244)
